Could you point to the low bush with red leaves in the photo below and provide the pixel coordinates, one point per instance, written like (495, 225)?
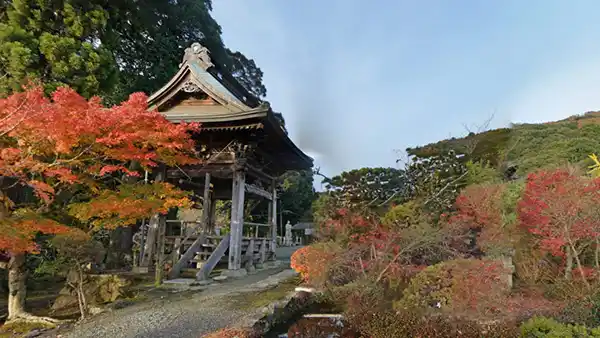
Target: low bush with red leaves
(313, 262)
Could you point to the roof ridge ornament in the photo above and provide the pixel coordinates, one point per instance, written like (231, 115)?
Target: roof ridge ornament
(197, 52)
(190, 87)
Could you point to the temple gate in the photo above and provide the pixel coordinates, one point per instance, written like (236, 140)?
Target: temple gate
(244, 148)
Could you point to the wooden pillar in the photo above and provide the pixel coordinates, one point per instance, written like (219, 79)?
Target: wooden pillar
(249, 265)
(150, 242)
(206, 205)
(212, 214)
(274, 218)
(160, 251)
(152, 237)
(237, 220)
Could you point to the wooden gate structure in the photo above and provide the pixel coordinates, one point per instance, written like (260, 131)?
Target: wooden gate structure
(244, 148)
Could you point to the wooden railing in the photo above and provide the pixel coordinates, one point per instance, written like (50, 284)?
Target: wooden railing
(256, 226)
(210, 250)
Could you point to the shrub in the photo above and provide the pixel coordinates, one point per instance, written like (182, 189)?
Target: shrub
(387, 324)
(481, 211)
(533, 266)
(315, 263)
(319, 327)
(544, 327)
(402, 215)
(462, 286)
(550, 328)
(480, 172)
(584, 311)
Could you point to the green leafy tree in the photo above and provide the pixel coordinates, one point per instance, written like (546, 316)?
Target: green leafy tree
(55, 42)
(297, 195)
(110, 48)
(368, 187)
(247, 73)
(436, 181)
(148, 37)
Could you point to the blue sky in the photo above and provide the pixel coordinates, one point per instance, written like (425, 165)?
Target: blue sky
(357, 82)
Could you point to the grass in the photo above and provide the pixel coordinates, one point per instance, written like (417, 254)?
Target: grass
(254, 300)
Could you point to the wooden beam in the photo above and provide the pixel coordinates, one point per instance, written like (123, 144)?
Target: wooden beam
(257, 224)
(175, 252)
(206, 203)
(212, 214)
(160, 251)
(150, 242)
(274, 219)
(153, 229)
(249, 257)
(253, 189)
(256, 172)
(187, 256)
(237, 220)
(214, 259)
(263, 251)
(193, 184)
(270, 220)
(221, 170)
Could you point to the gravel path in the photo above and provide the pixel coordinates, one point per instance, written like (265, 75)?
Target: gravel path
(182, 315)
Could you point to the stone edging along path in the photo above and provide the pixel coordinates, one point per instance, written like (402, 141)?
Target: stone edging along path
(282, 310)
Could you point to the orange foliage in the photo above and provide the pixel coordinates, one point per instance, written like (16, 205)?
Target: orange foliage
(233, 333)
(18, 234)
(129, 203)
(311, 262)
(51, 144)
(479, 208)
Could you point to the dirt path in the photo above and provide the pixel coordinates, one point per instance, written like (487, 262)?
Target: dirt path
(185, 314)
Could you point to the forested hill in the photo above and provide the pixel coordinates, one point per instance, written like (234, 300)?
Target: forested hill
(529, 146)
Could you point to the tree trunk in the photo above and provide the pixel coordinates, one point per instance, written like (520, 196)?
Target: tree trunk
(597, 254)
(17, 291)
(579, 265)
(569, 263)
(17, 275)
(80, 293)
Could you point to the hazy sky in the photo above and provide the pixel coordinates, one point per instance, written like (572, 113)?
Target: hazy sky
(357, 81)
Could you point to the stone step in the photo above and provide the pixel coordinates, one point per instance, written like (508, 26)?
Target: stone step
(191, 273)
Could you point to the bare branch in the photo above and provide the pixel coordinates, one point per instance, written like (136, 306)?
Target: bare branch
(472, 144)
(317, 172)
(446, 187)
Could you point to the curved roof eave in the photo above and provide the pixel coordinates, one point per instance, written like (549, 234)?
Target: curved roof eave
(285, 137)
(220, 117)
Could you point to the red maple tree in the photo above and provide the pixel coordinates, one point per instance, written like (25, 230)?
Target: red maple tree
(67, 145)
(479, 211)
(560, 208)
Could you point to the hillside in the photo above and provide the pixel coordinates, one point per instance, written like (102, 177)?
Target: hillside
(530, 146)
